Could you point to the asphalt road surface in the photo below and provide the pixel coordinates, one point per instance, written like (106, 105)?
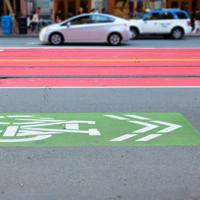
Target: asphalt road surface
(101, 173)
(147, 42)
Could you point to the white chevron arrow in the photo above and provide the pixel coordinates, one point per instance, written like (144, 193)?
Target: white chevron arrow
(152, 124)
(171, 127)
(148, 126)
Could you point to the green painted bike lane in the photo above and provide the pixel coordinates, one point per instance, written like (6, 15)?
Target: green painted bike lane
(96, 129)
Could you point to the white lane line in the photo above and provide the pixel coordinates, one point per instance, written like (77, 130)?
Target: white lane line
(123, 137)
(100, 48)
(106, 87)
(148, 138)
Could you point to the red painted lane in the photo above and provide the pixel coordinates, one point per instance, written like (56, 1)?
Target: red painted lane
(182, 72)
(113, 54)
(98, 53)
(106, 71)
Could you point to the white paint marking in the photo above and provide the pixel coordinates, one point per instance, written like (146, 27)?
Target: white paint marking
(11, 131)
(94, 132)
(116, 117)
(147, 128)
(171, 127)
(38, 131)
(20, 116)
(137, 117)
(148, 138)
(26, 133)
(4, 123)
(26, 123)
(105, 87)
(43, 124)
(47, 118)
(50, 130)
(123, 137)
(93, 48)
(72, 126)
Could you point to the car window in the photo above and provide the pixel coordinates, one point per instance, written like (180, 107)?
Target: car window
(181, 15)
(166, 16)
(101, 19)
(81, 20)
(152, 16)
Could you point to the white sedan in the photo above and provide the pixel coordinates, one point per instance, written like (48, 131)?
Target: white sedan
(87, 28)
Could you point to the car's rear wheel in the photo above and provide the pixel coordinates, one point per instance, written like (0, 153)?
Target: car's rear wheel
(114, 39)
(177, 33)
(56, 39)
(134, 33)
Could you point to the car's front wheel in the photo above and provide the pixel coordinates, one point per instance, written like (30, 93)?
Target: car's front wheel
(177, 33)
(56, 39)
(114, 39)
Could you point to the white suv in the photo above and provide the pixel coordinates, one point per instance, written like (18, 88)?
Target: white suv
(170, 22)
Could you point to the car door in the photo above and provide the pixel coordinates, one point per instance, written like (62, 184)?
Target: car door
(101, 27)
(149, 23)
(77, 30)
(165, 22)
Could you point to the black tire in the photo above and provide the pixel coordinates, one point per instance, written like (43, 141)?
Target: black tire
(135, 33)
(177, 33)
(114, 39)
(56, 39)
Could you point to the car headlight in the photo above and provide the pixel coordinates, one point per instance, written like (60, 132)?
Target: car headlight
(44, 30)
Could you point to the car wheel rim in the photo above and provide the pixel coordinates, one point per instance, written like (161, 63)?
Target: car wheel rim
(177, 34)
(56, 39)
(115, 39)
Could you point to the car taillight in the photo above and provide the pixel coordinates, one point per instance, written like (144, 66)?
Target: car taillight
(189, 22)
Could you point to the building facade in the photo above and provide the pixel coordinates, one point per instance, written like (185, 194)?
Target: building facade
(67, 8)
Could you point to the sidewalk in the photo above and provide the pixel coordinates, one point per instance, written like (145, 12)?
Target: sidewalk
(29, 34)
